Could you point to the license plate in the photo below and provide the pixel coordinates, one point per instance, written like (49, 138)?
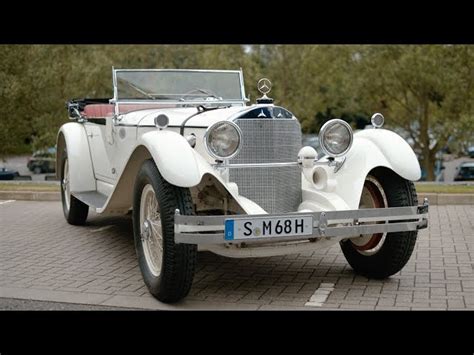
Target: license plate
(251, 228)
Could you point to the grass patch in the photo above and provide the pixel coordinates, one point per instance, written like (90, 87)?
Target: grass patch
(20, 186)
(446, 189)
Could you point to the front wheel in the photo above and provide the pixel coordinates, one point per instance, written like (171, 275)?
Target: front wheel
(75, 211)
(383, 254)
(167, 268)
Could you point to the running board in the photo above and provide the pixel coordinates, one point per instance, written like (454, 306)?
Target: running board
(91, 198)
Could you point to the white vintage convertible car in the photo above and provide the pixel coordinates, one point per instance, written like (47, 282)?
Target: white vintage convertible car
(202, 169)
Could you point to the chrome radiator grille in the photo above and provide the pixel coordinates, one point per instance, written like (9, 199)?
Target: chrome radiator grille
(275, 189)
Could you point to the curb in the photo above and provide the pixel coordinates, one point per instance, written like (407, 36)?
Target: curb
(447, 199)
(31, 195)
(136, 302)
(433, 198)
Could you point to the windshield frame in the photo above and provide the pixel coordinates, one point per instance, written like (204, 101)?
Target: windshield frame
(117, 101)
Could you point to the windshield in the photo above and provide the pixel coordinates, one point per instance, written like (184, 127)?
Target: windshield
(179, 85)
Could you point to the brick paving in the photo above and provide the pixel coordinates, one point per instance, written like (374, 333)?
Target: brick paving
(44, 258)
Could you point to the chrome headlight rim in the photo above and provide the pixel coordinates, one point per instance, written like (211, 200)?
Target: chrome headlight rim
(328, 125)
(208, 148)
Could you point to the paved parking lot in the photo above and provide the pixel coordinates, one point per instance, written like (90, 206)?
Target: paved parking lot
(43, 258)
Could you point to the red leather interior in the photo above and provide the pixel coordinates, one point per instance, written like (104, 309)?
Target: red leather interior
(98, 110)
(107, 110)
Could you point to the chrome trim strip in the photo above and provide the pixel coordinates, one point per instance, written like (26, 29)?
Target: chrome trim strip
(256, 165)
(372, 212)
(370, 229)
(170, 126)
(115, 98)
(186, 70)
(171, 102)
(209, 229)
(335, 216)
(355, 231)
(242, 86)
(131, 125)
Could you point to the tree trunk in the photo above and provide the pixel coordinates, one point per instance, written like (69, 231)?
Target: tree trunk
(429, 165)
(428, 155)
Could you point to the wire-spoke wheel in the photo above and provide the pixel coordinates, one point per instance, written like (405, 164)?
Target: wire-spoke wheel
(75, 211)
(167, 268)
(151, 234)
(381, 255)
(65, 185)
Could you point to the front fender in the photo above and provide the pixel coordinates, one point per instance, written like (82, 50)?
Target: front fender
(173, 156)
(371, 149)
(396, 150)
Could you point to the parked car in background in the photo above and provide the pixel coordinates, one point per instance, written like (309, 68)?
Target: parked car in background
(470, 151)
(43, 161)
(465, 172)
(7, 174)
(438, 170)
(312, 140)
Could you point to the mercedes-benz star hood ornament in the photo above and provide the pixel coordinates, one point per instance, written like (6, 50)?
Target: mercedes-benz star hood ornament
(264, 85)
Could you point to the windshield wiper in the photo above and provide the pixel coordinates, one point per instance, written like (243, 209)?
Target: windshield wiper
(208, 93)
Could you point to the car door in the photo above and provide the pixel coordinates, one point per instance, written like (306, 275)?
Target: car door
(101, 150)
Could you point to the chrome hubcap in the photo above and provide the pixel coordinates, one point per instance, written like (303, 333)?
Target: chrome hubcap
(150, 230)
(65, 185)
(373, 196)
(146, 230)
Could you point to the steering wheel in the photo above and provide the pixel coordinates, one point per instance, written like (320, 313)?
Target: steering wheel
(209, 93)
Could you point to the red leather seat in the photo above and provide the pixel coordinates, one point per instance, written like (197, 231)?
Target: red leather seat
(98, 110)
(107, 110)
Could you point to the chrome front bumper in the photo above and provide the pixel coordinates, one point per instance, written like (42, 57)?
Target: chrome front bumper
(350, 223)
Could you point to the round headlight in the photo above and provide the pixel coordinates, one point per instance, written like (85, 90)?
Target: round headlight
(223, 140)
(335, 137)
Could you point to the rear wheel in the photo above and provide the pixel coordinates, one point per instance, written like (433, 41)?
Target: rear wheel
(167, 268)
(383, 254)
(75, 211)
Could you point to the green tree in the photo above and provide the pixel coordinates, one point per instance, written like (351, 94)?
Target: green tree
(425, 90)
(12, 93)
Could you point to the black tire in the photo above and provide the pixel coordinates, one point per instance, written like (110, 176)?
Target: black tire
(178, 260)
(398, 246)
(77, 212)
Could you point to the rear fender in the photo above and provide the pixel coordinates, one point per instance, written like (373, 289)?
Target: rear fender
(72, 140)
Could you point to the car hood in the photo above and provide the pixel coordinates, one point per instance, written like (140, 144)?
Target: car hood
(179, 115)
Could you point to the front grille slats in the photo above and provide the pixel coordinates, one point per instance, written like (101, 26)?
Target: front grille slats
(275, 189)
